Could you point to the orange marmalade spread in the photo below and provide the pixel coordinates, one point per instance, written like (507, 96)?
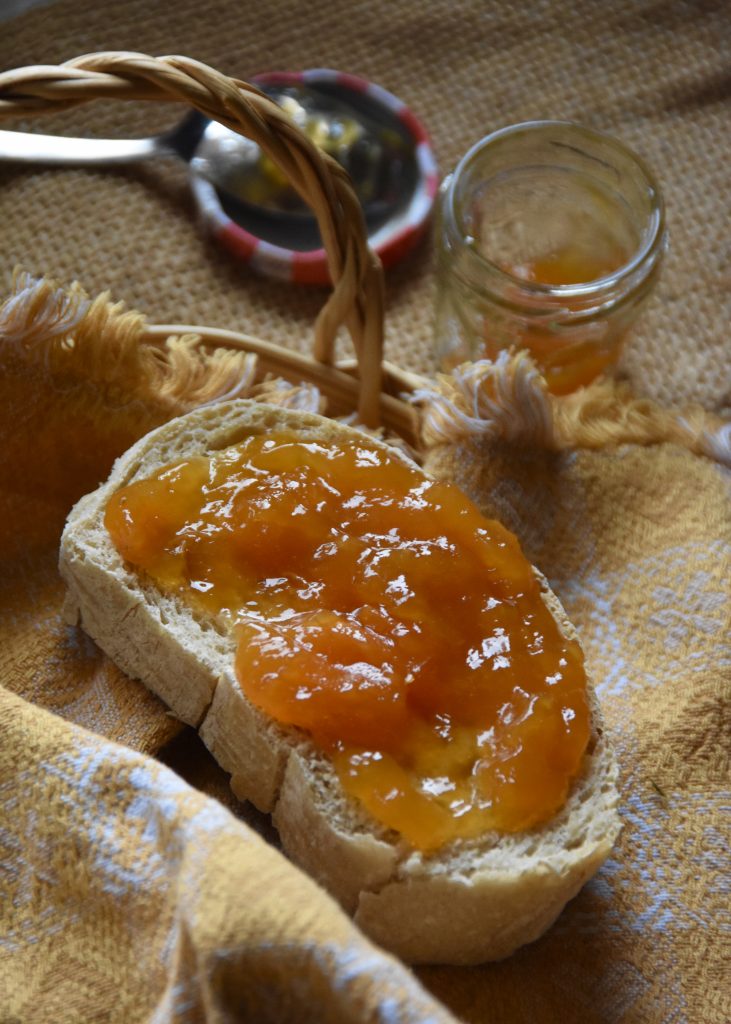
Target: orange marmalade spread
(380, 612)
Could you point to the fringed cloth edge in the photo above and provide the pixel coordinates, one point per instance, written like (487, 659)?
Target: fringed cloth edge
(74, 339)
(508, 400)
(112, 353)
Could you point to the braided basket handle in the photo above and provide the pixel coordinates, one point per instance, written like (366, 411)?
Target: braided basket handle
(357, 297)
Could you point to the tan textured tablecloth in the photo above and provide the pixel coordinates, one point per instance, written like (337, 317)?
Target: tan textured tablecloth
(655, 75)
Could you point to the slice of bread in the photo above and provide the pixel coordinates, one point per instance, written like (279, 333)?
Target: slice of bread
(472, 900)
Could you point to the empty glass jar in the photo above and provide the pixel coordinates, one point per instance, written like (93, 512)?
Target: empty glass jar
(549, 238)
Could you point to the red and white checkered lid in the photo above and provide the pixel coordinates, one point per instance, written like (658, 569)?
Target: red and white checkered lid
(392, 241)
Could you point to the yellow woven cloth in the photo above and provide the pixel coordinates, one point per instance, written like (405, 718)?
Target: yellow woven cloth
(115, 853)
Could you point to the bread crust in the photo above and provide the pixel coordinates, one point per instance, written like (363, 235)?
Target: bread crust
(472, 900)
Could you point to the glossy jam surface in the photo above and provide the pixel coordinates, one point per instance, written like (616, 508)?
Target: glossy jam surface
(380, 612)
(573, 358)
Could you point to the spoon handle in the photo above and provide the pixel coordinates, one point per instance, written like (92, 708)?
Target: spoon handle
(27, 147)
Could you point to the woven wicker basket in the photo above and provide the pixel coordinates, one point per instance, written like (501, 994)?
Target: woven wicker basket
(368, 385)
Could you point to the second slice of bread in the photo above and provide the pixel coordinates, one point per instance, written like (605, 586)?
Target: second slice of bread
(472, 900)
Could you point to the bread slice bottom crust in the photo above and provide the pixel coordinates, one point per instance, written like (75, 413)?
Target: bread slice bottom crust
(472, 900)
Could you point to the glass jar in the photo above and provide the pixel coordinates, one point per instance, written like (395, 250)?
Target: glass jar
(550, 238)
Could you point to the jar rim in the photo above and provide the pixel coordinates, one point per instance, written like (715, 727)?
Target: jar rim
(638, 266)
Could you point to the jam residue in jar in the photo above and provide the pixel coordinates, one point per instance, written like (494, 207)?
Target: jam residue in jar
(379, 611)
(573, 357)
(550, 238)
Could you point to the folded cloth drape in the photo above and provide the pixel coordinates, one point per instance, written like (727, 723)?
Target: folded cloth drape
(129, 896)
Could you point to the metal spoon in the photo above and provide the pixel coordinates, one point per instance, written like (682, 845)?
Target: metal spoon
(366, 137)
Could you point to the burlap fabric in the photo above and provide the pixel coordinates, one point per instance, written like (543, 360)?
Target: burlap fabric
(115, 904)
(654, 74)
